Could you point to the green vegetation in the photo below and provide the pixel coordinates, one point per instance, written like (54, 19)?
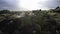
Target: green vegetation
(30, 22)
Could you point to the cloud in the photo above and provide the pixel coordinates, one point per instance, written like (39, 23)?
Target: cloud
(8, 4)
(28, 4)
(50, 3)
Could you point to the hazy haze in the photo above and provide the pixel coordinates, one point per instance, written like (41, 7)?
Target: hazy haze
(28, 4)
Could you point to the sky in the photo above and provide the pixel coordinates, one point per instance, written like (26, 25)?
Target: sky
(28, 4)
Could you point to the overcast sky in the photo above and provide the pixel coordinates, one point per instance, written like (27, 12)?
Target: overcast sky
(28, 4)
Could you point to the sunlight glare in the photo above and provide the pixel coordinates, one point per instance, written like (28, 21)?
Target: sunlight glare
(31, 4)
